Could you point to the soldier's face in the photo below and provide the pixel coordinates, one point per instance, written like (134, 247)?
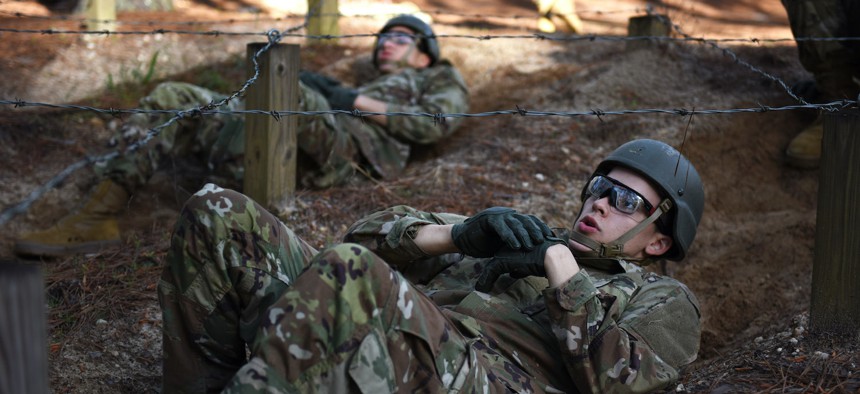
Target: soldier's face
(601, 221)
(397, 49)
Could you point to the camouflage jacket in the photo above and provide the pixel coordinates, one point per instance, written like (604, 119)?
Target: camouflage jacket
(613, 327)
(433, 90)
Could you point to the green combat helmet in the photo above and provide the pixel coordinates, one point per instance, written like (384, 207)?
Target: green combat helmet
(679, 186)
(426, 38)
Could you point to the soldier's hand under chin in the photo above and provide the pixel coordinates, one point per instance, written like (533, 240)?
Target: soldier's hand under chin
(518, 263)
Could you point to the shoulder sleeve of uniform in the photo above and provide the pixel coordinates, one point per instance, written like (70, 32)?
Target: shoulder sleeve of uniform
(445, 71)
(665, 314)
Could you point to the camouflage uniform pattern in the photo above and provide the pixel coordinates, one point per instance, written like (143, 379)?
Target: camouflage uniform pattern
(333, 142)
(377, 314)
(835, 64)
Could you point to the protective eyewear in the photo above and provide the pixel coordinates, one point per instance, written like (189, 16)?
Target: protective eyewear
(621, 197)
(397, 38)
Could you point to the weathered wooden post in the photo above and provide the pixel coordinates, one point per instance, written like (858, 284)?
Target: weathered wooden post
(835, 306)
(23, 335)
(322, 21)
(270, 143)
(647, 26)
(100, 15)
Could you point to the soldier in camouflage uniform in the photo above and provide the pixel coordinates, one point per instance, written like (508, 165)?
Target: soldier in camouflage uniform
(834, 64)
(414, 79)
(434, 302)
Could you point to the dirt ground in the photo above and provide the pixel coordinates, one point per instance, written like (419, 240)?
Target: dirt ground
(750, 266)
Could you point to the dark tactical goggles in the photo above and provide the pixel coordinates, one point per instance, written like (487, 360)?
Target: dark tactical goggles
(623, 198)
(398, 38)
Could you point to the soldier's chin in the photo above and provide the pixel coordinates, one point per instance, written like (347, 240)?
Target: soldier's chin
(387, 66)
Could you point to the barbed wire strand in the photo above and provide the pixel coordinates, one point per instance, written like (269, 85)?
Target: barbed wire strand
(829, 107)
(484, 37)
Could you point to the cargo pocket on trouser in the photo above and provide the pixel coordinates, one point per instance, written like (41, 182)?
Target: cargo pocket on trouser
(400, 361)
(188, 366)
(371, 367)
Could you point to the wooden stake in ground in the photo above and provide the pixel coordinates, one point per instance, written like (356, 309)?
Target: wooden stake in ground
(322, 21)
(835, 306)
(270, 142)
(23, 336)
(647, 26)
(100, 15)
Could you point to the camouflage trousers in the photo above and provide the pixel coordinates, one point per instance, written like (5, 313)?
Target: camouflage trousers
(340, 320)
(835, 64)
(218, 141)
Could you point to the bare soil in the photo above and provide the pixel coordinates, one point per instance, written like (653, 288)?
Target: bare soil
(750, 266)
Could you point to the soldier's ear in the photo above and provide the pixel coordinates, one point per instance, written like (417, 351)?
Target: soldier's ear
(660, 243)
(422, 60)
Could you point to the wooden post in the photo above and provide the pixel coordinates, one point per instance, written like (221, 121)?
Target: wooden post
(835, 306)
(322, 21)
(101, 15)
(647, 26)
(23, 335)
(270, 144)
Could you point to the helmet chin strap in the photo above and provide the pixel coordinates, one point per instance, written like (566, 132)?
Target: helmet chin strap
(615, 249)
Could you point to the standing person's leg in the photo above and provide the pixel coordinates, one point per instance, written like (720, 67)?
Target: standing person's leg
(834, 64)
(229, 260)
(350, 322)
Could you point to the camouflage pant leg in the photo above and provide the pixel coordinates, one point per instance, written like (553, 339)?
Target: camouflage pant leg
(350, 323)
(834, 63)
(229, 259)
(217, 139)
(325, 140)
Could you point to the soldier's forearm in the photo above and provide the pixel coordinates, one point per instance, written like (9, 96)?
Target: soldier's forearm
(364, 103)
(435, 239)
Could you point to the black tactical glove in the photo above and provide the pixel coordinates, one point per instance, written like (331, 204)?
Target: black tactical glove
(519, 263)
(320, 83)
(340, 97)
(486, 232)
(337, 95)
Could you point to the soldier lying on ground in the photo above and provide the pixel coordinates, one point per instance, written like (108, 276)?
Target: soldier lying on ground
(419, 301)
(414, 79)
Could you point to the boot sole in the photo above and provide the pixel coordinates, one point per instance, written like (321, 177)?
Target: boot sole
(803, 163)
(42, 250)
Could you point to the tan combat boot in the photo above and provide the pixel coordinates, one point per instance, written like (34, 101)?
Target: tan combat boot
(804, 151)
(89, 230)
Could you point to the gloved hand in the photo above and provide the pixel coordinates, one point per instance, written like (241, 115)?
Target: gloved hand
(318, 82)
(340, 97)
(486, 232)
(337, 95)
(519, 263)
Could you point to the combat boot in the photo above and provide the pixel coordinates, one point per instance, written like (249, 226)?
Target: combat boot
(91, 229)
(574, 24)
(545, 25)
(804, 151)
